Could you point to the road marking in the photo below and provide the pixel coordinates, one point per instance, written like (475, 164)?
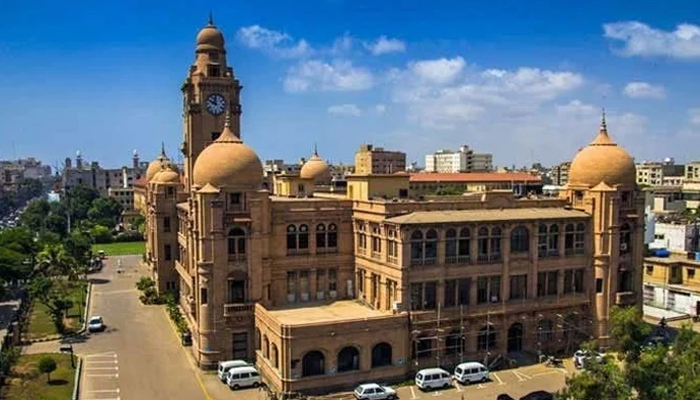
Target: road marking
(104, 391)
(102, 362)
(108, 354)
(101, 368)
(102, 375)
(521, 377)
(545, 373)
(413, 393)
(500, 382)
(102, 398)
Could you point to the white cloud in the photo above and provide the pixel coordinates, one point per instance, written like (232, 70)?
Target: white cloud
(345, 110)
(380, 109)
(643, 90)
(640, 39)
(384, 45)
(342, 44)
(694, 114)
(316, 75)
(441, 71)
(272, 42)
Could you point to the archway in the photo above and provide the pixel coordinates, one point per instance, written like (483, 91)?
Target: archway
(348, 359)
(381, 355)
(313, 363)
(515, 338)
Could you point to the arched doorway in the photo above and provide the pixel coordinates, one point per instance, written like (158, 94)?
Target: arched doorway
(348, 359)
(381, 355)
(515, 338)
(313, 364)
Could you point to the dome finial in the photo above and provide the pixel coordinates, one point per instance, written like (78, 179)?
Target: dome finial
(211, 18)
(603, 125)
(315, 150)
(162, 149)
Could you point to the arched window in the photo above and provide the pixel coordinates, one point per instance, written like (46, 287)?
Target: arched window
(332, 241)
(266, 347)
(303, 236)
(542, 240)
(579, 238)
(274, 356)
(257, 339)
(520, 240)
(553, 240)
(495, 250)
(431, 245)
(545, 332)
(416, 247)
(455, 343)
(291, 237)
(483, 245)
(569, 234)
(463, 247)
(450, 245)
(313, 364)
(424, 248)
(381, 355)
(625, 238)
(487, 338)
(348, 359)
(236, 241)
(321, 236)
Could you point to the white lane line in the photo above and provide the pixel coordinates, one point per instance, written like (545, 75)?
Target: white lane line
(90, 362)
(104, 391)
(413, 393)
(498, 378)
(525, 375)
(102, 398)
(100, 355)
(102, 375)
(545, 373)
(101, 368)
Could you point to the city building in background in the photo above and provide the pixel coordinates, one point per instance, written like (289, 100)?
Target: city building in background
(559, 174)
(520, 183)
(99, 178)
(13, 171)
(324, 289)
(651, 173)
(462, 160)
(375, 160)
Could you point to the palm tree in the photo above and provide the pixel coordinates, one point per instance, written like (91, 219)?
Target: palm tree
(53, 260)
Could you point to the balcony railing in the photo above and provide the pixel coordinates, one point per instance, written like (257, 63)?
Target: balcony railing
(237, 309)
(377, 255)
(458, 260)
(392, 259)
(361, 250)
(548, 253)
(488, 258)
(574, 252)
(326, 250)
(237, 257)
(297, 252)
(417, 262)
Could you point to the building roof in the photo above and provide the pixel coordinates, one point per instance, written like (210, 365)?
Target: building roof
(337, 311)
(476, 177)
(673, 258)
(602, 161)
(210, 38)
(316, 169)
(481, 215)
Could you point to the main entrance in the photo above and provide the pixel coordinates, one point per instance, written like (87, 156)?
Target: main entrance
(515, 338)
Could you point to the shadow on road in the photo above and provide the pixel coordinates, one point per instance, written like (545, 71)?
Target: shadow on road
(99, 281)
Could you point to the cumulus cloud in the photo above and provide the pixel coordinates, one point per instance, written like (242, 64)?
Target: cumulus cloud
(694, 115)
(643, 90)
(440, 71)
(384, 45)
(316, 75)
(380, 109)
(639, 39)
(345, 110)
(272, 42)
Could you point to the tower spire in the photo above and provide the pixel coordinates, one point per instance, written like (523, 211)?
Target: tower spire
(315, 150)
(211, 18)
(603, 125)
(162, 148)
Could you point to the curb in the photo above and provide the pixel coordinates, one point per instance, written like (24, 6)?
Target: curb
(76, 386)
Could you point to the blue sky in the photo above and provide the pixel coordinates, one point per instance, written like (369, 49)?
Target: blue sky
(524, 80)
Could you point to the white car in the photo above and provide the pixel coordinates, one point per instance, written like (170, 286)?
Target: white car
(373, 391)
(95, 324)
(581, 357)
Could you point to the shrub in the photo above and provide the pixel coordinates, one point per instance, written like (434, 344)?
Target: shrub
(101, 234)
(129, 236)
(8, 358)
(46, 366)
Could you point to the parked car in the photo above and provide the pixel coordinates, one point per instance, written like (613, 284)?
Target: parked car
(373, 391)
(96, 324)
(240, 377)
(225, 366)
(470, 372)
(433, 378)
(583, 356)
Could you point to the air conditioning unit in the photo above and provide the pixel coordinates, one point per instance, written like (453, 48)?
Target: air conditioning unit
(304, 297)
(333, 294)
(623, 246)
(320, 295)
(397, 306)
(291, 298)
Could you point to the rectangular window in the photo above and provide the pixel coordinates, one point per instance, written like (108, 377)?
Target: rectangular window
(416, 296)
(240, 346)
(304, 282)
(291, 282)
(599, 285)
(203, 298)
(235, 199)
(691, 273)
(568, 281)
(333, 279)
(488, 289)
(430, 296)
(518, 287)
(578, 281)
(450, 287)
(167, 252)
(166, 224)
(552, 283)
(320, 280)
(463, 291)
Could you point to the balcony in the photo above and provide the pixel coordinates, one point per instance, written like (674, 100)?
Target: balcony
(392, 259)
(238, 310)
(458, 260)
(548, 253)
(574, 252)
(297, 252)
(326, 250)
(488, 258)
(625, 298)
(417, 262)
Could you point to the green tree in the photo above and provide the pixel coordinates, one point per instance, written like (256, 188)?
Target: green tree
(35, 214)
(101, 234)
(53, 261)
(629, 331)
(79, 200)
(54, 295)
(604, 380)
(46, 366)
(105, 211)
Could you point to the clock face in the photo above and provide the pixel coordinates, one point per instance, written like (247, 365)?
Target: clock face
(216, 104)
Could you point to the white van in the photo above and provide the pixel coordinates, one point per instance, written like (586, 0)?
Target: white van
(240, 377)
(433, 378)
(470, 372)
(224, 366)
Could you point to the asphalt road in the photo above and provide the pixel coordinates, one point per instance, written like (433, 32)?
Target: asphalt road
(137, 356)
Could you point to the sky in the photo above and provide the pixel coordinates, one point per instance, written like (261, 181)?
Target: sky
(524, 80)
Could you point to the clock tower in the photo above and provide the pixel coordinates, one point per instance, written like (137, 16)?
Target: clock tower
(209, 93)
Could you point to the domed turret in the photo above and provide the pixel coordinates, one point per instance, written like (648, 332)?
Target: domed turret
(316, 169)
(602, 161)
(210, 38)
(228, 162)
(166, 176)
(156, 165)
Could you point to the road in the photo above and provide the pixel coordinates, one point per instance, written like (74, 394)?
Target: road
(137, 356)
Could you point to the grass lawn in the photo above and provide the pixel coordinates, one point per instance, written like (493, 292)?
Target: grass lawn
(40, 323)
(26, 383)
(120, 249)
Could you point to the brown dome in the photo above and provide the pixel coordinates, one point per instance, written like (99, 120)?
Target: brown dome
(316, 169)
(228, 162)
(602, 161)
(166, 175)
(210, 38)
(159, 163)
